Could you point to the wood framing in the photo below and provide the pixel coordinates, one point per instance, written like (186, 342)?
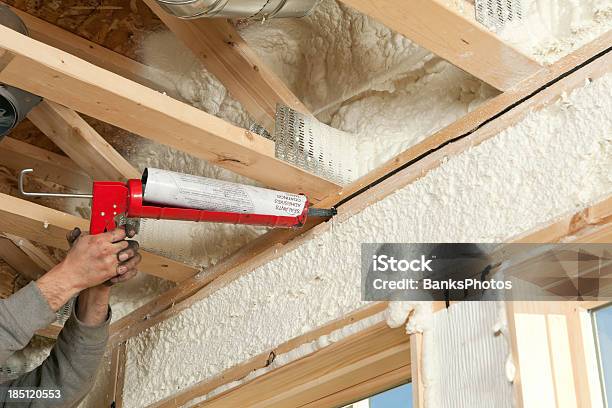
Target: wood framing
(454, 37)
(64, 78)
(261, 361)
(550, 338)
(361, 357)
(49, 227)
(81, 142)
(19, 261)
(218, 45)
(48, 166)
(476, 127)
(91, 52)
(117, 377)
(37, 255)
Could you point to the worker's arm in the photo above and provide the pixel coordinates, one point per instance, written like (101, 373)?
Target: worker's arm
(74, 360)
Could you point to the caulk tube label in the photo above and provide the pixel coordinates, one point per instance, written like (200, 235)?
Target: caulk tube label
(171, 189)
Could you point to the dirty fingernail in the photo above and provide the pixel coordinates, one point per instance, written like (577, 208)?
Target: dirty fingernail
(121, 270)
(123, 257)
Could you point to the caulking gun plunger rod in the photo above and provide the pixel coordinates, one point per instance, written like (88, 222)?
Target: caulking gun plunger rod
(30, 194)
(115, 202)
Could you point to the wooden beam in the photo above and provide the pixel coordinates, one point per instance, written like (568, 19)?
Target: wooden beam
(37, 255)
(218, 45)
(418, 388)
(49, 227)
(91, 52)
(65, 79)
(48, 166)
(117, 376)
(81, 142)
(449, 34)
(19, 261)
(598, 214)
(355, 359)
(364, 389)
(473, 129)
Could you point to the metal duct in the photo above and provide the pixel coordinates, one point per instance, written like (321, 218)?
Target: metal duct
(255, 9)
(14, 103)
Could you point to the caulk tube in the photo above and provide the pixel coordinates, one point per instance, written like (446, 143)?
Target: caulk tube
(168, 188)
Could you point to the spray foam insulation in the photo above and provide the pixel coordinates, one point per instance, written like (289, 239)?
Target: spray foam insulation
(557, 160)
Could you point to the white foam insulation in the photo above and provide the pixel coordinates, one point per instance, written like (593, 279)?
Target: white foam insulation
(550, 29)
(465, 339)
(557, 160)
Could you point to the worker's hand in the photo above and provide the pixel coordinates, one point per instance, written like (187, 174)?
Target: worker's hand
(91, 261)
(114, 254)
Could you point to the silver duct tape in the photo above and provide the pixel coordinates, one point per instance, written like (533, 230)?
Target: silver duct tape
(257, 9)
(496, 14)
(305, 142)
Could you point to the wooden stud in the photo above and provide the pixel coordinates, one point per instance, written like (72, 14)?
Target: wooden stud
(117, 376)
(449, 34)
(364, 389)
(418, 389)
(48, 166)
(218, 46)
(81, 142)
(49, 227)
(358, 358)
(65, 79)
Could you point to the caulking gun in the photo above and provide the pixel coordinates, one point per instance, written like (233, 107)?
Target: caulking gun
(168, 195)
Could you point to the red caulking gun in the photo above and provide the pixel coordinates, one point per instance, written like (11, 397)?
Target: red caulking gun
(167, 195)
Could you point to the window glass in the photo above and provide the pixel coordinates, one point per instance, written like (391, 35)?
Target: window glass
(398, 397)
(603, 325)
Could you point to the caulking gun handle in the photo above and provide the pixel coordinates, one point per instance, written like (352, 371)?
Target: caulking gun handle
(109, 200)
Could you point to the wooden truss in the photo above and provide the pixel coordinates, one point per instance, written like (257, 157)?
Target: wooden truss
(63, 67)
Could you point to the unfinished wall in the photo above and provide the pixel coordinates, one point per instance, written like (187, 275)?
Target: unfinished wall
(553, 162)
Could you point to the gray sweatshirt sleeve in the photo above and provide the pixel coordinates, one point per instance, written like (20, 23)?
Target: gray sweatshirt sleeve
(20, 316)
(72, 365)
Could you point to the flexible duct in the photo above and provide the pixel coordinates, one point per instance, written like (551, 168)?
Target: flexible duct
(14, 103)
(255, 9)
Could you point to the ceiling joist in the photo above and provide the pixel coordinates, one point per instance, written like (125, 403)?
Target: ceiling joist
(81, 142)
(219, 47)
(453, 36)
(91, 52)
(17, 155)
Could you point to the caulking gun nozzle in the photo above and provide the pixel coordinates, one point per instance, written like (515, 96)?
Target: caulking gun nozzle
(322, 212)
